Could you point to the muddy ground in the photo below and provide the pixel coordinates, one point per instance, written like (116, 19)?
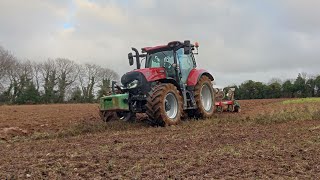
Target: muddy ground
(69, 141)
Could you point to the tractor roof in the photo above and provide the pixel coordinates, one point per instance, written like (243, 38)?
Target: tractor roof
(169, 46)
(155, 48)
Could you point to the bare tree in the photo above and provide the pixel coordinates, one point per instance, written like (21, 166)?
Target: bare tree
(20, 75)
(36, 67)
(6, 60)
(13, 77)
(275, 80)
(49, 76)
(107, 76)
(88, 77)
(67, 74)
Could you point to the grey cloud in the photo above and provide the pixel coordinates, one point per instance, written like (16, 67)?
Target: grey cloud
(239, 40)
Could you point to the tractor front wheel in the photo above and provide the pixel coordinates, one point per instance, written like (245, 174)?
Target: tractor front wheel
(204, 96)
(126, 116)
(164, 105)
(107, 116)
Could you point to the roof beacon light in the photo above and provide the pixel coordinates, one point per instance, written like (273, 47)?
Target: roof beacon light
(196, 44)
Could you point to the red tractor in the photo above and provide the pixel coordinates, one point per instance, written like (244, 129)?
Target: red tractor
(169, 87)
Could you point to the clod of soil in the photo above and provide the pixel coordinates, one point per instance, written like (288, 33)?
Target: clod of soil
(10, 132)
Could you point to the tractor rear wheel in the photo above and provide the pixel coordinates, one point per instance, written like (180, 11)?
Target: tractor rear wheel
(204, 97)
(164, 105)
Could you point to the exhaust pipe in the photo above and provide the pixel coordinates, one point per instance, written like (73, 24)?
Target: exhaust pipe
(137, 57)
(112, 87)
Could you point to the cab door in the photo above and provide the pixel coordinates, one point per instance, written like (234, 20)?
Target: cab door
(186, 64)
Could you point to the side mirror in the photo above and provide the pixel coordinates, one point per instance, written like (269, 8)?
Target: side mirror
(130, 57)
(187, 47)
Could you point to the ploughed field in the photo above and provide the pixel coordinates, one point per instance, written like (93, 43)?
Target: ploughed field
(268, 139)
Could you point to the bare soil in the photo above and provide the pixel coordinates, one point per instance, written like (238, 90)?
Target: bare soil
(69, 141)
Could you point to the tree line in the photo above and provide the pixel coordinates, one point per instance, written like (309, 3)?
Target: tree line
(57, 80)
(62, 80)
(301, 87)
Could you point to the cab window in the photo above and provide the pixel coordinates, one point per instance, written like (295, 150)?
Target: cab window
(160, 59)
(186, 64)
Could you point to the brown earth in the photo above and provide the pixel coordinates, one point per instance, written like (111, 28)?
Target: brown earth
(69, 141)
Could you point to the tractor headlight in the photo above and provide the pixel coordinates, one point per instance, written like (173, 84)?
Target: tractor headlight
(133, 84)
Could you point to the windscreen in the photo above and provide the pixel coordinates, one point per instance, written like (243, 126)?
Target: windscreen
(160, 59)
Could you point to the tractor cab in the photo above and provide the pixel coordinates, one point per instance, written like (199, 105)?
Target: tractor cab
(176, 58)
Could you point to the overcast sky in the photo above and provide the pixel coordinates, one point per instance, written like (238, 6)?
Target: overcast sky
(239, 40)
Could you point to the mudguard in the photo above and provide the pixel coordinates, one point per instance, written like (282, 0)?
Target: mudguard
(195, 75)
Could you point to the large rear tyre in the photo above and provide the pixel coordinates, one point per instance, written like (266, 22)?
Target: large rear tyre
(204, 97)
(164, 105)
